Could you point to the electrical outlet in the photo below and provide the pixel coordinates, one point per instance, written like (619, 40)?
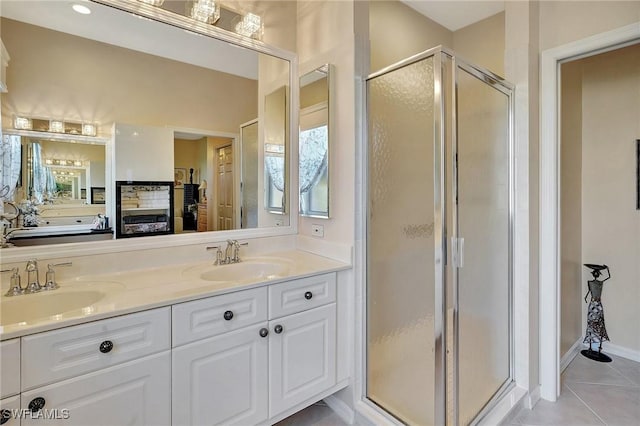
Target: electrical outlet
(317, 230)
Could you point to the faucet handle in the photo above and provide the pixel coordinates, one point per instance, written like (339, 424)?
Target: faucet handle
(16, 288)
(236, 250)
(219, 257)
(50, 281)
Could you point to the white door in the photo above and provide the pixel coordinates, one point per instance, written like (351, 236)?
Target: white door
(302, 357)
(133, 393)
(224, 188)
(222, 380)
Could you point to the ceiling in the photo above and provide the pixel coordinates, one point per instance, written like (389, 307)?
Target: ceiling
(456, 14)
(111, 26)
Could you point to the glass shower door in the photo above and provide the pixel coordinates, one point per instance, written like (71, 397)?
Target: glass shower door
(483, 284)
(400, 243)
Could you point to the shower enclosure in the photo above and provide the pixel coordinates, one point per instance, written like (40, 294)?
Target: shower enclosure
(439, 239)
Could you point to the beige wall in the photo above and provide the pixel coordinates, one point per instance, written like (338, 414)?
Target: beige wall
(326, 35)
(483, 43)
(562, 22)
(398, 32)
(571, 206)
(53, 74)
(610, 222)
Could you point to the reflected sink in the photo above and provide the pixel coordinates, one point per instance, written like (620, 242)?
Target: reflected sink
(250, 270)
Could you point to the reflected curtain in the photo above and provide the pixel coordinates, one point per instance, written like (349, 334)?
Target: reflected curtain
(11, 165)
(313, 156)
(38, 174)
(275, 167)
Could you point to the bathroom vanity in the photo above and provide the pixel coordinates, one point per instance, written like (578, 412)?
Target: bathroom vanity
(199, 348)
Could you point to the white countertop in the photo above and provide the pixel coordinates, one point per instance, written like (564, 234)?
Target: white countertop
(132, 291)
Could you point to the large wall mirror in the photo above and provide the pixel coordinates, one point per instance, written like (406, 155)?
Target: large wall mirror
(172, 103)
(314, 142)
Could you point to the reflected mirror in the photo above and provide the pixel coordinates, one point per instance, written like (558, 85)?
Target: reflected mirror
(314, 142)
(172, 104)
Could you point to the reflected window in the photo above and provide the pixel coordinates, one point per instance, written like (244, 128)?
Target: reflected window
(314, 179)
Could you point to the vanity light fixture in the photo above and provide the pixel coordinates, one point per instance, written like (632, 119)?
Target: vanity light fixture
(22, 123)
(89, 129)
(250, 26)
(56, 126)
(207, 11)
(81, 9)
(156, 3)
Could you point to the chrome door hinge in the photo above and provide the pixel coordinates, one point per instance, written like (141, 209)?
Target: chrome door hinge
(457, 252)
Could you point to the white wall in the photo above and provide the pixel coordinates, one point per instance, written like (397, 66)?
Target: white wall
(611, 223)
(133, 142)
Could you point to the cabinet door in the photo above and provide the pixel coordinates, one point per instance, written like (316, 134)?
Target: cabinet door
(135, 393)
(222, 380)
(9, 411)
(302, 357)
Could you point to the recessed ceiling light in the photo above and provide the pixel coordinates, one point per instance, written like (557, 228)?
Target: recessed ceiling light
(84, 10)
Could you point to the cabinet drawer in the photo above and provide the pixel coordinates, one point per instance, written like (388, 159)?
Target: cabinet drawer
(134, 393)
(9, 368)
(71, 351)
(299, 295)
(9, 407)
(218, 314)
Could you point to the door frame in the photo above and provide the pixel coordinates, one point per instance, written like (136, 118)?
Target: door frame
(549, 180)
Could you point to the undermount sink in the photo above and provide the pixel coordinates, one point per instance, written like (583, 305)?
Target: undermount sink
(249, 270)
(63, 302)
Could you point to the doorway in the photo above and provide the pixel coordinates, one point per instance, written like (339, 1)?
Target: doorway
(550, 209)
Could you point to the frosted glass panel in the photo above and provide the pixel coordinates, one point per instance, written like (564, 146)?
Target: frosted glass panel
(400, 274)
(483, 220)
(249, 152)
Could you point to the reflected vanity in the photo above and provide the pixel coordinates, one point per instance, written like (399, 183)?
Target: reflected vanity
(314, 142)
(219, 107)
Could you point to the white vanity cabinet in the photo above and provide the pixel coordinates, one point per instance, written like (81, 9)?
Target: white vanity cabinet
(8, 408)
(110, 372)
(258, 363)
(9, 368)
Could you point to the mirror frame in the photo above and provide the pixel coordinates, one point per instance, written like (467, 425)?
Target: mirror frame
(328, 70)
(54, 251)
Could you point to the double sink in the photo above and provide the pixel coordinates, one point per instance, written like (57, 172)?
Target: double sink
(85, 296)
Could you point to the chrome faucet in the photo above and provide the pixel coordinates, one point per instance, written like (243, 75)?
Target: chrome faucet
(33, 279)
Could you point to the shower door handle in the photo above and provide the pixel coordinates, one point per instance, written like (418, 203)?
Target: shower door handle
(457, 252)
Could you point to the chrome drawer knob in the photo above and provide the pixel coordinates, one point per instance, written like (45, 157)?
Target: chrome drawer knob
(308, 295)
(106, 346)
(228, 315)
(278, 329)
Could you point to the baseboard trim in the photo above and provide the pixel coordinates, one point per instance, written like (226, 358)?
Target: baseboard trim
(621, 351)
(570, 355)
(506, 409)
(341, 408)
(533, 398)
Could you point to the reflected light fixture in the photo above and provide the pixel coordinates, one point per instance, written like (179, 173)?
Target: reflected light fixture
(56, 126)
(207, 11)
(81, 9)
(156, 3)
(250, 26)
(22, 123)
(89, 129)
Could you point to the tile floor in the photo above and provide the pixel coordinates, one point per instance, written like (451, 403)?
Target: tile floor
(319, 414)
(593, 393)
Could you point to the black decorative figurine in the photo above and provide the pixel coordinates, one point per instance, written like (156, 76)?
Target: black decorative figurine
(191, 176)
(596, 330)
